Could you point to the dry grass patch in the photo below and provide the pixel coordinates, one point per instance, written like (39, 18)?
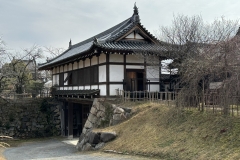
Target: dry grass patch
(171, 133)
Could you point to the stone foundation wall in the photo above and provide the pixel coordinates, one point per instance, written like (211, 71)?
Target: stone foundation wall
(27, 118)
(103, 113)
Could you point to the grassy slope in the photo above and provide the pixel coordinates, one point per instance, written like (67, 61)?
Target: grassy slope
(168, 133)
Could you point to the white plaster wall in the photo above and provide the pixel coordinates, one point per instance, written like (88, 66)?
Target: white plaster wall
(75, 65)
(94, 87)
(102, 58)
(65, 67)
(116, 58)
(81, 87)
(75, 87)
(54, 70)
(65, 76)
(152, 73)
(154, 87)
(80, 64)
(116, 73)
(134, 67)
(61, 68)
(87, 87)
(113, 88)
(70, 66)
(87, 62)
(102, 90)
(94, 60)
(134, 59)
(56, 79)
(102, 73)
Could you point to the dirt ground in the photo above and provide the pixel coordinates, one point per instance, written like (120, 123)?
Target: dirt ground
(1, 154)
(57, 149)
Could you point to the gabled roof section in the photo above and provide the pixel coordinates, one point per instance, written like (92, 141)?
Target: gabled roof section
(110, 36)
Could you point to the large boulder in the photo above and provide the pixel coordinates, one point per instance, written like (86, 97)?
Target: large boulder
(80, 145)
(94, 138)
(87, 147)
(107, 136)
(118, 110)
(99, 145)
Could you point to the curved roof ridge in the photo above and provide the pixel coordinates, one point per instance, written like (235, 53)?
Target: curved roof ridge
(104, 33)
(108, 31)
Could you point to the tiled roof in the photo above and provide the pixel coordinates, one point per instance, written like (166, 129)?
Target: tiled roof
(106, 39)
(131, 46)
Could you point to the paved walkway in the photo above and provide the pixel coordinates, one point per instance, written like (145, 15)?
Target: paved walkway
(55, 149)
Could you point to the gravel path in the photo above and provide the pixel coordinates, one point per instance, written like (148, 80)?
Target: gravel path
(57, 150)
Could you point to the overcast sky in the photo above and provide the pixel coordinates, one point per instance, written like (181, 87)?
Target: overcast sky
(24, 23)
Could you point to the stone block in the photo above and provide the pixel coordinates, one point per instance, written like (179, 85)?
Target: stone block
(107, 136)
(128, 110)
(88, 125)
(87, 147)
(100, 114)
(94, 138)
(99, 145)
(118, 110)
(118, 117)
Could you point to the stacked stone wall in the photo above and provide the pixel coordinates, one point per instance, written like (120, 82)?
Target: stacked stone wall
(102, 114)
(26, 118)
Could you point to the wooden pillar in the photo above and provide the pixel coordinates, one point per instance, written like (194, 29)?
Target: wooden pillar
(107, 74)
(125, 72)
(145, 75)
(70, 120)
(160, 72)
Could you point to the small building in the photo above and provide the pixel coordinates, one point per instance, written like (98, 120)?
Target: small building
(97, 67)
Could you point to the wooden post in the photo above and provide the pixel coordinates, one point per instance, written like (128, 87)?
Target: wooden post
(70, 120)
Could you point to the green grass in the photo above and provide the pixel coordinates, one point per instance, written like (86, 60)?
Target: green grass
(171, 133)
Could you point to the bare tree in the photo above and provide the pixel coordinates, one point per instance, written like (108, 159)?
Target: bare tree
(204, 53)
(53, 52)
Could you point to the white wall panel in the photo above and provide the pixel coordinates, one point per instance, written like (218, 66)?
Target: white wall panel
(69, 66)
(87, 87)
(134, 67)
(116, 58)
(102, 73)
(102, 90)
(65, 67)
(102, 58)
(56, 79)
(94, 87)
(75, 65)
(116, 73)
(54, 70)
(61, 68)
(87, 62)
(152, 73)
(75, 87)
(113, 88)
(81, 87)
(154, 87)
(94, 60)
(80, 64)
(134, 59)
